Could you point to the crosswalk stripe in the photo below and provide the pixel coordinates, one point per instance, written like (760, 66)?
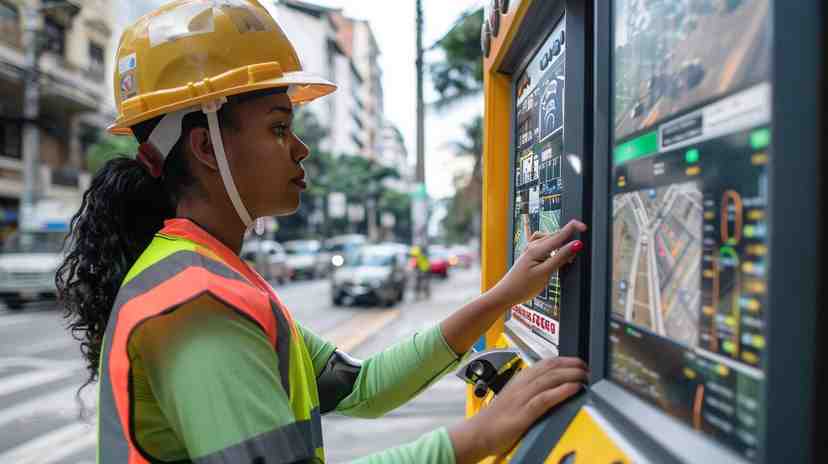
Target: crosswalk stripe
(40, 449)
(47, 403)
(66, 450)
(47, 345)
(15, 319)
(21, 382)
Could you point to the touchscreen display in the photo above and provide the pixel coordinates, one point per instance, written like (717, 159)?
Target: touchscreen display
(538, 184)
(689, 206)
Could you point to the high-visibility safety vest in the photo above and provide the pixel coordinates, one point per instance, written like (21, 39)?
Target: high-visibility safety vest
(182, 263)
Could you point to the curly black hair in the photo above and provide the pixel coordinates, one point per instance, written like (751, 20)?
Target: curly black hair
(120, 213)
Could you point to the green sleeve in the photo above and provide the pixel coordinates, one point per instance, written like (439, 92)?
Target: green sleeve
(394, 376)
(215, 376)
(319, 348)
(433, 447)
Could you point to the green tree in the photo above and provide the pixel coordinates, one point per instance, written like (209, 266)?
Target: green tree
(464, 209)
(456, 78)
(107, 148)
(459, 75)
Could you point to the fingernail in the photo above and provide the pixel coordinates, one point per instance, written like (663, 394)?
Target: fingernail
(577, 246)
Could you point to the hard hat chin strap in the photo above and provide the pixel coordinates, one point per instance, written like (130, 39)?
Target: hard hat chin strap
(211, 109)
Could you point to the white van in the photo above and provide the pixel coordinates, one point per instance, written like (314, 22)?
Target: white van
(28, 263)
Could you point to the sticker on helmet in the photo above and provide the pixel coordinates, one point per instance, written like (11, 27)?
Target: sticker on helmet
(127, 63)
(128, 87)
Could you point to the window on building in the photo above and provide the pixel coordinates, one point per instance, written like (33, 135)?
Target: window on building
(54, 35)
(97, 64)
(9, 24)
(10, 139)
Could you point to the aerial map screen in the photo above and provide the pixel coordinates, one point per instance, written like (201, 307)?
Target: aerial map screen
(538, 183)
(689, 204)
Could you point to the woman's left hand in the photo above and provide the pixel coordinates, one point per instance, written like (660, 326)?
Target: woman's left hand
(544, 254)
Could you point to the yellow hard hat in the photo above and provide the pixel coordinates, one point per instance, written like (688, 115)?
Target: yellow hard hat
(189, 52)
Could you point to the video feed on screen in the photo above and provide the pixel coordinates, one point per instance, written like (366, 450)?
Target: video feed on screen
(689, 208)
(666, 61)
(538, 183)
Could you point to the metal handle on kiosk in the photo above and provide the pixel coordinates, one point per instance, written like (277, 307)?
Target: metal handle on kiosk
(490, 370)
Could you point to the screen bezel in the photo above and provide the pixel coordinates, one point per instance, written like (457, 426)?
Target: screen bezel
(530, 37)
(792, 335)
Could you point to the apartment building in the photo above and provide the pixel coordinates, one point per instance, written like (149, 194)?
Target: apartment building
(74, 38)
(345, 51)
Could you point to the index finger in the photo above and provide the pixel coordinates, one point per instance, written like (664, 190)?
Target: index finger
(555, 241)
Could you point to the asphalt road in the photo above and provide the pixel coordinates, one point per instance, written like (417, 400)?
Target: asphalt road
(43, 421)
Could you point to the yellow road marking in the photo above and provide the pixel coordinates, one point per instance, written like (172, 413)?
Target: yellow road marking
(353, 333)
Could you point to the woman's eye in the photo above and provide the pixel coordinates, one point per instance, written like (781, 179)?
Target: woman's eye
(281, 130)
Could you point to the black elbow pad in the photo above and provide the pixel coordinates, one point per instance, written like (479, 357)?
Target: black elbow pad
(337, 380)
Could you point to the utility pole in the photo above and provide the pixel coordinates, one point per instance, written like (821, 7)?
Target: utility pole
(32, 24)
(420, 200)
(33, 11)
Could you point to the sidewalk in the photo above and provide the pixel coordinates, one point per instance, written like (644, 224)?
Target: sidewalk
(441, 405)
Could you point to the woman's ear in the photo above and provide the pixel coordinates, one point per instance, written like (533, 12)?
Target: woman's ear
(201, 146)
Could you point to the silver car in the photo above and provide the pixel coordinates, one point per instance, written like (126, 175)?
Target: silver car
(269, 259)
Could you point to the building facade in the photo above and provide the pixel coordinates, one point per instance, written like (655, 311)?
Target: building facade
(74, 39)
(345, 51)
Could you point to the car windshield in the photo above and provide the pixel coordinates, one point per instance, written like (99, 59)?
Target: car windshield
(34, 242)
(372, 259)
(301, 248)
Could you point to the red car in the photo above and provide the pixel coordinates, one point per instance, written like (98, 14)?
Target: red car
(439, 260)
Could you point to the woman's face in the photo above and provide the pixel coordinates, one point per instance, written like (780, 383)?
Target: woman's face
(265, 155)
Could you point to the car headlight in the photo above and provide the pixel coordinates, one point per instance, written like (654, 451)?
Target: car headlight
(337, 260)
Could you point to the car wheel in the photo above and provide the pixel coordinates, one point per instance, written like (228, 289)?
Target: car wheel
(336, 301)
(13, 305)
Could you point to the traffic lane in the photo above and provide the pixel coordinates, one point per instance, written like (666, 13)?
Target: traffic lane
(442, 404)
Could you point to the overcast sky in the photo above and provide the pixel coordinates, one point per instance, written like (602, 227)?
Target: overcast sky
(393, 23)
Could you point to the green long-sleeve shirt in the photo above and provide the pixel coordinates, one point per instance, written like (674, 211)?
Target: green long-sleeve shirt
(205, 378)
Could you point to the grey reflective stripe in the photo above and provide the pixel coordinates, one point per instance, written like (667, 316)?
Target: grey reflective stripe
(283, 336)
(113, 445)
(288, 443)
(316, 428)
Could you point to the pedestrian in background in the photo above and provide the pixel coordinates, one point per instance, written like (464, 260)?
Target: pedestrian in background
(196, 356)
(422, 269)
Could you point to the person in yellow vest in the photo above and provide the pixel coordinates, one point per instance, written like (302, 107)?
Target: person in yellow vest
(422, 268)
(196, 357)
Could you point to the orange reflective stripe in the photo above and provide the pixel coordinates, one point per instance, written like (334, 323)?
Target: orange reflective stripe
(186, 229)
(185, 286)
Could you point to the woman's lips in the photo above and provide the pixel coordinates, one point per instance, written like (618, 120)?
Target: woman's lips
(300, 183)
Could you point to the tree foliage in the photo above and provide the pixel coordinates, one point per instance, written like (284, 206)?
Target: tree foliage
(460, 74)
(107, 148)
(457, 78)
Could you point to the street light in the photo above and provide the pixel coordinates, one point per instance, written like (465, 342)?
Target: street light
(32, 26)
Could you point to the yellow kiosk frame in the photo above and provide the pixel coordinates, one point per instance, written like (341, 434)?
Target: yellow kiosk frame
(607, 424)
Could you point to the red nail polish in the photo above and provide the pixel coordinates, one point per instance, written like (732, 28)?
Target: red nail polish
(577, 246)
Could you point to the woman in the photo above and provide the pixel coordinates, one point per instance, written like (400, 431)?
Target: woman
(196, 357)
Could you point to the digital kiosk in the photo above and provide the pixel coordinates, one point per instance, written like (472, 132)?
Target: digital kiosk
(689, 137)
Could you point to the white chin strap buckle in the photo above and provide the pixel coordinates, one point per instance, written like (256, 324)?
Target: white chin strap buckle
(210, 108)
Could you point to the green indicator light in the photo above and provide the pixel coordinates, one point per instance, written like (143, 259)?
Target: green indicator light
(639, 147)
(692, 156)
(760, 138)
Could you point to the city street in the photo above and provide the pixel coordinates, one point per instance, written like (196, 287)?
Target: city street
(41, 421)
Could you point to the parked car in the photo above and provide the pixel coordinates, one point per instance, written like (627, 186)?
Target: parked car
(376, 274)
(342, 247)
(306, 259)
(269, 259)
(438, 257)
(28, 264)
